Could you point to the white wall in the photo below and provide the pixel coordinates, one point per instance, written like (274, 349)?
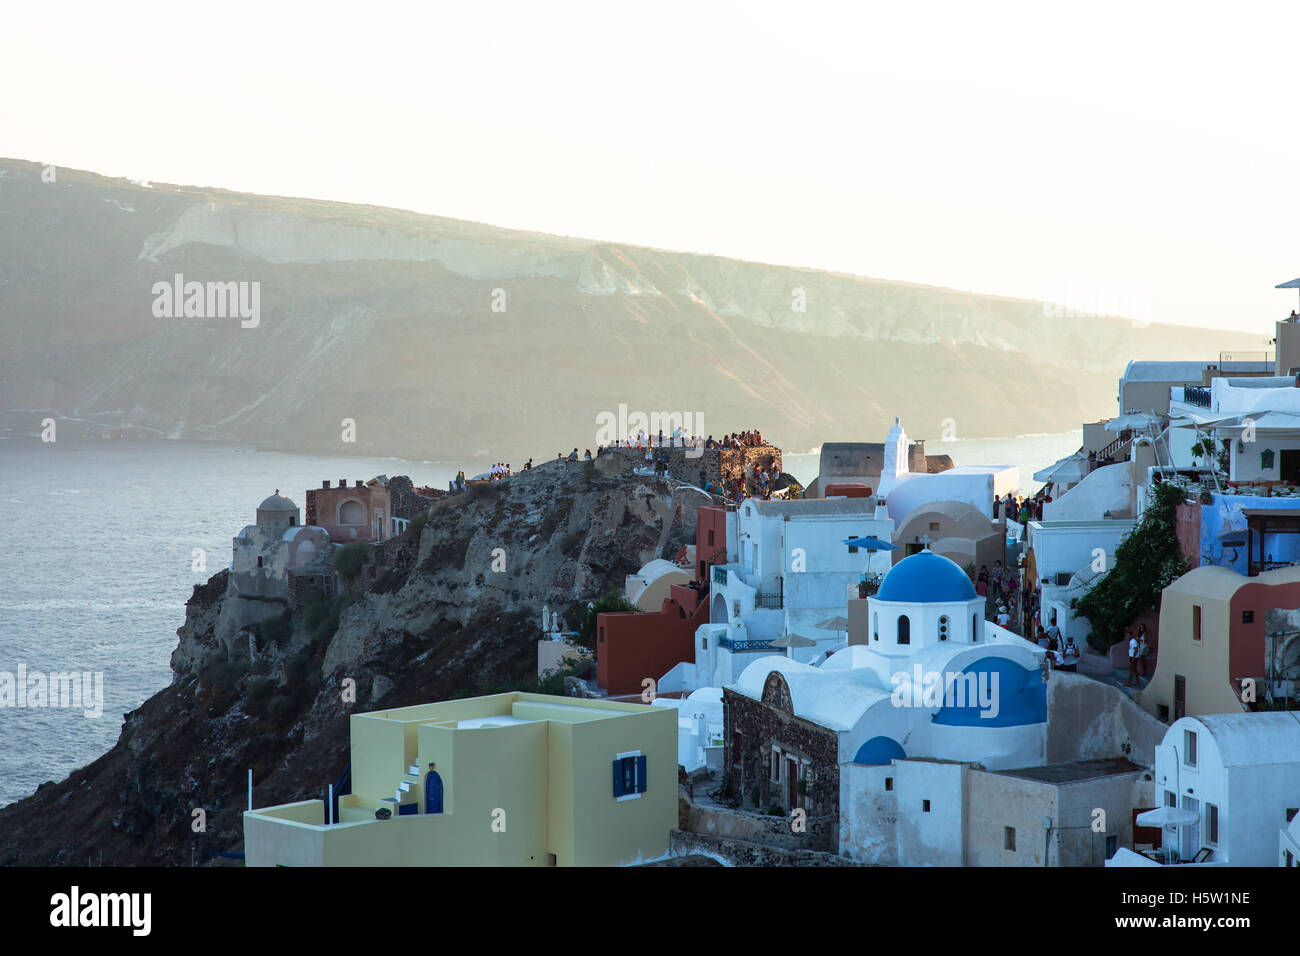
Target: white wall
(932, 838)
(1107, 489)
(1068, 547)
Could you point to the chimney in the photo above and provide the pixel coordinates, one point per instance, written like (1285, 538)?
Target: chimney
(343, 482)
(325, 484)
(360, 483)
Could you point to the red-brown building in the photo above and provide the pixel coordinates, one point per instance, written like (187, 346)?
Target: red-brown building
(631, 647)
(358, 513)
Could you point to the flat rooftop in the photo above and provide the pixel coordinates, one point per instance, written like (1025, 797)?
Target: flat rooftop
(1075, 771)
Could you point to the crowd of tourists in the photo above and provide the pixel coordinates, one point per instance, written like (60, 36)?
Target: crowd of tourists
(1021, 509)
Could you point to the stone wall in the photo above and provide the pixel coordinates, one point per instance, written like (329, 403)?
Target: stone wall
(760, 725)
(407, 501)
(817, 832)
(719, 465)
(742, 853)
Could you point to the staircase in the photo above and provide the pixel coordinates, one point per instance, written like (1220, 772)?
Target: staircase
(406, 798)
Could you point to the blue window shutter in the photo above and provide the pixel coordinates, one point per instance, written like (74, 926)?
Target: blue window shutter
(618, 778)
(640, 774)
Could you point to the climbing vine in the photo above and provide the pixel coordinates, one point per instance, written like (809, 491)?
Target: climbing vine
(1146, 562)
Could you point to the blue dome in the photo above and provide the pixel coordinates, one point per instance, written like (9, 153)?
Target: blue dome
(926, 578)
(880, 752)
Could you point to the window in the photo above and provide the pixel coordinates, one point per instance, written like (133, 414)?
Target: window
(925, 806)
(602, 634)
(1290, 860)
(1247, 617)
(259, 561)
(943, 627)
(1290, 814)
(975, 627)
(710, 536)
(1112, 846)
(1196, 622)
(775, 764)
(1189, 748)
(1171, 799)
(889, 783)
(736, 750)
(293, 520)
(934, 526)
(904, 629)
(629, 775)
(875, 626)
(704, 643)
(1211, 823)
(1009, 838)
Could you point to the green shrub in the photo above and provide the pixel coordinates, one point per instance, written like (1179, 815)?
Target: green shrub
(320, 616)
(275, 630)
(281, 707)
(613, 601)
(1146, 562)
(351, 558)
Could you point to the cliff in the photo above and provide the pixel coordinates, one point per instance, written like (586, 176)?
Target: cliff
(436, 615)
(431, 333)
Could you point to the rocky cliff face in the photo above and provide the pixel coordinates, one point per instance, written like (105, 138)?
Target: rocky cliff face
(431, 334)
(452, 612)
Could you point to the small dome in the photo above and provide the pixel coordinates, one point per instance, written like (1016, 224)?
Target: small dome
(277, 502)
(926, 578)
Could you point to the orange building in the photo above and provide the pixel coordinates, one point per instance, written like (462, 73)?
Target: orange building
(359, 513)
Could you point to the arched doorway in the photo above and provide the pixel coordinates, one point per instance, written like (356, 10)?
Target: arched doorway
(718, 611)
(432, 792)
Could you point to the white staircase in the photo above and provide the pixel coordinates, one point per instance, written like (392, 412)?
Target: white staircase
(407, 792)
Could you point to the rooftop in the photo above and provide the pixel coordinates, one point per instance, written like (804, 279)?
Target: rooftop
(1075, 771)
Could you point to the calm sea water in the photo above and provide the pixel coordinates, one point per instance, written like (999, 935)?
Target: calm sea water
(99, 561)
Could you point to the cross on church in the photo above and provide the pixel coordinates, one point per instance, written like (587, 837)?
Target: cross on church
(925, 540)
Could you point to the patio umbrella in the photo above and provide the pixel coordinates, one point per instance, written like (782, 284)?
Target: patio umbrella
(834, 624)
(1167, 817)
(1293, 284)
(870, 544)
(793, 640)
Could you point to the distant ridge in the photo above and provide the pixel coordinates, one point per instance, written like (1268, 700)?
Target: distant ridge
(386, 317)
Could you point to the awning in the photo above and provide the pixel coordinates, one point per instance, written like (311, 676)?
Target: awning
(1131, 420)
(1293, 284)
(1168, 817)
(1069, 468)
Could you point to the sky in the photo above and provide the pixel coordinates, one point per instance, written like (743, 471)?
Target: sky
(1116, 158)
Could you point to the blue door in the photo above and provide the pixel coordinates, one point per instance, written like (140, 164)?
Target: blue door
(433, 792)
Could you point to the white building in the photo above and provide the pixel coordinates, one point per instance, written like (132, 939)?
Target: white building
(905, 491)
(787, 582)
(1228, 785)
(1068, 558)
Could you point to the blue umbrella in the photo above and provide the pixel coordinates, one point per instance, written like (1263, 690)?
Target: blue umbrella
(870, 544)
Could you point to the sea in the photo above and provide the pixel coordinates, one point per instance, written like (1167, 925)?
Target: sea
(106, 540)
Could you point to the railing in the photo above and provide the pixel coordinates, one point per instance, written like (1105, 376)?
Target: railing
(731, 645)
(1109, 451)
(769, 599)
(719, 576)
(1197, 395)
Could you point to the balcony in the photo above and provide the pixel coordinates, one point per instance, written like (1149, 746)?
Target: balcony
(771, 600)
(719, 576)
(1198, 395)
(740, 646)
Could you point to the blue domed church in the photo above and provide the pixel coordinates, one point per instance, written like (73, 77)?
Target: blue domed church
(930, 678)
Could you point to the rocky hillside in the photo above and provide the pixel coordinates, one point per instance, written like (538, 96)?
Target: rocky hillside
(395, 320)
(428, 619)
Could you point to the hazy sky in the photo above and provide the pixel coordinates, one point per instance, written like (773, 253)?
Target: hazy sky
(1118, 156)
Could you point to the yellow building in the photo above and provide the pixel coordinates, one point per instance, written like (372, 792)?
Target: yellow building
(507, 780)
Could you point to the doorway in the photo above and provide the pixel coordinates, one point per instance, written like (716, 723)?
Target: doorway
(432, 792)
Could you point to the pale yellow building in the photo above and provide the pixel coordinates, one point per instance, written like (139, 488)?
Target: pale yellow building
(508, 780)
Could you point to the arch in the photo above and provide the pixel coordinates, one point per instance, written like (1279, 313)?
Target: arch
(432, 792)
(306, 553)
(880, 751)
(352, 511)
(904, 629)
(718, 612)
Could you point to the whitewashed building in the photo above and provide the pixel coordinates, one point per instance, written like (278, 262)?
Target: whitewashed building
(1227, 785)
